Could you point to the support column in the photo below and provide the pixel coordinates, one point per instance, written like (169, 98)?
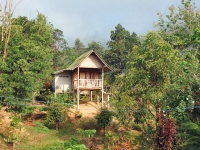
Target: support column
(91, 96)
(78, 96)
(102, 85)
(54, 80)
(108, 101)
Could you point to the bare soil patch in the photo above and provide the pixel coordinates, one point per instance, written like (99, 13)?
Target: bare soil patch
(86, 110)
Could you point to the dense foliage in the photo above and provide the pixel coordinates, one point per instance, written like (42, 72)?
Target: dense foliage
(26, 65)
(55, 115)
(121, 45)
(163, 75)
(155, 81)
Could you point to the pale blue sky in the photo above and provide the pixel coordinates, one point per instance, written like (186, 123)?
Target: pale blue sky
(94, 19)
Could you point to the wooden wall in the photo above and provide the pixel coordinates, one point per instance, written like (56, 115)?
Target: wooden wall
(91, 62)
(85, 73)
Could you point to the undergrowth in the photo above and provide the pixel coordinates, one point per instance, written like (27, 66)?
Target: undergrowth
(40, 128)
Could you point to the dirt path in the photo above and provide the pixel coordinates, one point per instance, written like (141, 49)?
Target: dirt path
(89, 110)
(5, 118)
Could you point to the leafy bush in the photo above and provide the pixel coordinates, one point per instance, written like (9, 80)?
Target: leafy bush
(189, 136)
(136, 127)
(86, 133)
(145, 141)
(104, 118)
(72, 144)
(45, 108)
(55, 115)
(165, 135)
(45, 95)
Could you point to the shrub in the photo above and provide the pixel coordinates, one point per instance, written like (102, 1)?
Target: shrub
(72, 144)
(104, 118)
(136, 127)
(55, 115)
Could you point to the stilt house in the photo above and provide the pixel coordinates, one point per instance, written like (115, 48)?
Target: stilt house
(84, 75)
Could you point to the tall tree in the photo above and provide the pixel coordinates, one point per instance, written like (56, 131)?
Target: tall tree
(120, 46)
(97, 47)
(178, 27)
(59, 42)
(60, 50)
(158, 78)
(79, 46)
(149, 74)
(28, 62)
(6, 25)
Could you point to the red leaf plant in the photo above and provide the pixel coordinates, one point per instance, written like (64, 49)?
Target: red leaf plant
(166, 133)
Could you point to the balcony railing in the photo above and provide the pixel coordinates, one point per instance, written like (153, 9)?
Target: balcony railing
(88, 83)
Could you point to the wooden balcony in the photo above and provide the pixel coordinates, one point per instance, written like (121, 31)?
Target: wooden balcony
(93, 84)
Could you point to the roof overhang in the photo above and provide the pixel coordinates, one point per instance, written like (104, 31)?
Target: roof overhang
(80, 59)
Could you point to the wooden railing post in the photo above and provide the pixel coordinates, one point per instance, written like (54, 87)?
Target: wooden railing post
(88, 83)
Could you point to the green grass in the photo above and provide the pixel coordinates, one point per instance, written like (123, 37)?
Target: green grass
(35, 140)
(40, 128)
(67, 129)
(40, 137)
(38, 140)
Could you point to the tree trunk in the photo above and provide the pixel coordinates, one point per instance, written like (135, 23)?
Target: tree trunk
(104, 130)
(57, 125)
(13, 145)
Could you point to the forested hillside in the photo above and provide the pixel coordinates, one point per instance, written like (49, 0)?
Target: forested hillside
(155, 101)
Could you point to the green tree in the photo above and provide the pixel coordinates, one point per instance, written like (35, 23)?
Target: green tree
(59, 42)
(190, 131)
(104, 118)
(6, 25)
(196, 36)
(60, 50)
(178, 26)
(28, 62)
(180, 29)
(158, 77)
(61, 59)
(121, 45)
(152, 69)
(79, 47)
(97, 47)
(56, 114)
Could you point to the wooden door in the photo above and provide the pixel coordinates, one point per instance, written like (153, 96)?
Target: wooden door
(82, 79)
(92, 75)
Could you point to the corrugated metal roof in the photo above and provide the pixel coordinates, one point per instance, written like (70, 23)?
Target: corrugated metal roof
(80, 59)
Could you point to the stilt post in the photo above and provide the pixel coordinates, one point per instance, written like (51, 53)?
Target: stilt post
(78, 93)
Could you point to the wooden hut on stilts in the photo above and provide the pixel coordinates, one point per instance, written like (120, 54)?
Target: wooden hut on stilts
(83, 76)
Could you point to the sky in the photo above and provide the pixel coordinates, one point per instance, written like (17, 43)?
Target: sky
(93, 20)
